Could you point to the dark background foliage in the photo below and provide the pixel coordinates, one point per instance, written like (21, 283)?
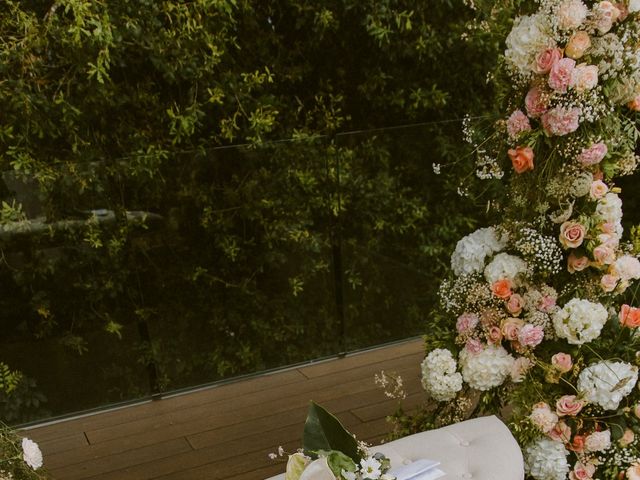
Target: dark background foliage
(183, 203)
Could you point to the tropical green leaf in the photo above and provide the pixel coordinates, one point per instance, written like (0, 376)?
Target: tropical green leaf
(323, 431)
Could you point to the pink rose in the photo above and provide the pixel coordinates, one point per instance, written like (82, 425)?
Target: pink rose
(584, 77)
(606, 13)
(569, 405)
(598, 190)
(547, 304)
(511, 327)
(561, 74)
(629, 316)
(578, 44)
(494, 335)
(627, 438)
(604, 254)
(546, 59)
(562, 362)
(536, 102)
(560, 433)
(608, 228)
(515, 304)
(609, 283)
(521, 159)
(577, 264)
(530, 335)
(582, 471)
(593, 155)
(466, 322)
(474, 346)
(561, 121)
(542, 417)
(633, 472)
(517, 123)
(572, 234)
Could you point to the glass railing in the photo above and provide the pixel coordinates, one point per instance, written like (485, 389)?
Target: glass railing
(167, 272)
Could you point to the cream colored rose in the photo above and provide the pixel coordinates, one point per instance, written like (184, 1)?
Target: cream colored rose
(598, 441)
(572, 234)
(627, 438)
(584, 77)
(578, 44)
(543, 418)
(633, 472)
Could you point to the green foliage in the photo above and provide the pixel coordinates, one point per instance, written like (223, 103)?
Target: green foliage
(324, 432)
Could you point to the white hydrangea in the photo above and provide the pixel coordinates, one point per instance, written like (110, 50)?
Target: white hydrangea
(487, 369)
(530, 34)
(580, 321)
(546, 460)
(439, 375)
(504, 266)
(606, 383)
(471, 251)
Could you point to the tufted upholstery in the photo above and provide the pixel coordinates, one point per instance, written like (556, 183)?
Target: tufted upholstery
(478, 449)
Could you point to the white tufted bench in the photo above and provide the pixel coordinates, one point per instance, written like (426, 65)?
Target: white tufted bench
(478, 449)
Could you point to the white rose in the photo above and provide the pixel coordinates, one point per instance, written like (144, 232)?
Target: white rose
(31, 453)
(634, 6)
(318, 470)
(584, 77)
(627, 267)
(571, 14)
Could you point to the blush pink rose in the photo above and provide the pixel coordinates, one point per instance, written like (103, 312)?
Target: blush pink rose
(606, 13)
(561, 432)
(536, 102)
(608, 227)
(474, 346)
(584, 77)
(547, 304)
(494, 335)
(502, 288)
(572, 234)
(582, 471)
(561, 74)
(633, 472)
(629, 316)
(515, 304)
(598, 190)
(578, 44)
(542, 417)
(519, 368)
(609, 283)
(561, 121)
(467, 322)
(577, 264)
(521, 159)
(604, 254)
(562, 362)
(569, 405)
(593, 155)
(627, 438)
(517, 123)
(511, 327)
(530, 335)
(546, 59)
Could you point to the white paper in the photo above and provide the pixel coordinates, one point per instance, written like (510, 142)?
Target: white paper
(422, 469)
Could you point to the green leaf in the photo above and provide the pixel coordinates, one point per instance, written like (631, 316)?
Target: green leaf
(323, 431)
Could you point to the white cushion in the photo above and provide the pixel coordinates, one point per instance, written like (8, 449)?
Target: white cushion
(478, 449)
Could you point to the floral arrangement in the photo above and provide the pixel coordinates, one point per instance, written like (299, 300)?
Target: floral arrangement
(542, 323)
(330, 452)
(20, 458)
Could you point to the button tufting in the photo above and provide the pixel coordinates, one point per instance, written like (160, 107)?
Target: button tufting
(406, 461)
(464, 443)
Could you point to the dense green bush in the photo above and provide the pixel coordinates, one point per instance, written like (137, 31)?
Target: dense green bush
(109, 108)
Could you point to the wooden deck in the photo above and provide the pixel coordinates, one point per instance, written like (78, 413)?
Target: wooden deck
(226, 432)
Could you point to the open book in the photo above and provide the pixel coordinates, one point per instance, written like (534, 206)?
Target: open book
(419, 470)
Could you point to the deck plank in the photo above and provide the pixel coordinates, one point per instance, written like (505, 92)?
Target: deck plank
(227, 431)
